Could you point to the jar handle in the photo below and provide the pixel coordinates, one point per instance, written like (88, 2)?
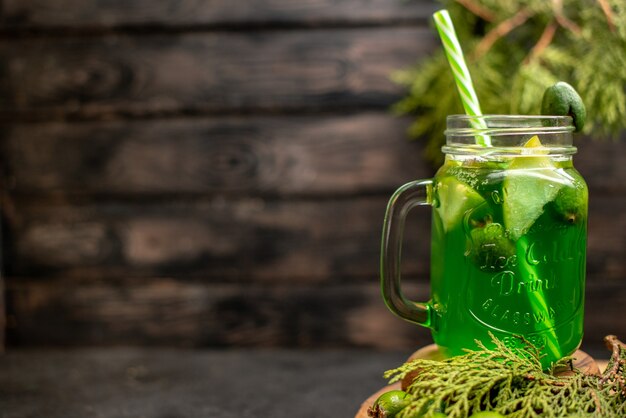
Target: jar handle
(415, 193)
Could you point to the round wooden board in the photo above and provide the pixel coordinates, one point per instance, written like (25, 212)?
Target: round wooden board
(583, 361)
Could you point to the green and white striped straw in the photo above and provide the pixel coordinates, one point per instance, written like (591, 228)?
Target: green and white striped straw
(464, 84)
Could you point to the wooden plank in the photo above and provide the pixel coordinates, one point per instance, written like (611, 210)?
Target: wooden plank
(206, 72)
(324, 155)
(603, 164)
(3, 315)
(174, 313)
(606, 239)
(227, 239)
(247, 239)
(169, 312)
(604, 314)
(362, 153)
(3, 242)
(175, 13)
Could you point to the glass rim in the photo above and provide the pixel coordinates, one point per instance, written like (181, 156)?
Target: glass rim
(507, 134)
(508, 116)
(506, 124)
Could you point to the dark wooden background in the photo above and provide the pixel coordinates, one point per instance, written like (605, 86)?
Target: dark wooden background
(215, 173)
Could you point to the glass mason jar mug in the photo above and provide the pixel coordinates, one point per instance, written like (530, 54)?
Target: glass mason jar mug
(508, 237)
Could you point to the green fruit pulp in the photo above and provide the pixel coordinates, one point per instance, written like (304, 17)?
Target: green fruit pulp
(486, 278)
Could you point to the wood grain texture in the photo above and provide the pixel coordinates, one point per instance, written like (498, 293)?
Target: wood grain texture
(206, 72)
(276, 155)
(252, 239)
(223, 145)
(200, 313)
(606, 238)
(3, 244)
(312, 155)
(247, 239)
(602, 164)
(168, 13)
(3, 315)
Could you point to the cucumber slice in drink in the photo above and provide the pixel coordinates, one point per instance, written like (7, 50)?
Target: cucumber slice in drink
(531, 182)
(455, 199)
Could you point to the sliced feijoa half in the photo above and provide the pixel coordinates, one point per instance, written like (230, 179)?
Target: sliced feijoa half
(530, 183)
(455, 199)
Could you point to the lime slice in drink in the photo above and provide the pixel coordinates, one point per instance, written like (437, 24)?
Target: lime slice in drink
(455, 199)
(530, 183)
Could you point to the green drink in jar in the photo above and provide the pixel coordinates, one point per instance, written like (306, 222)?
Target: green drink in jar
(508, 237)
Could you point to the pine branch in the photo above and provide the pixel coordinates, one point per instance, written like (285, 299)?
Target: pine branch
(511, 381)
(546, 37)
(501, 30)
(606, 9)
(562, 20)
(477, 9)
(517, 49)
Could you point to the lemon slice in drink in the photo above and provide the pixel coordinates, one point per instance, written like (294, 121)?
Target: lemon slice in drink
(531, 182)
(455, 199)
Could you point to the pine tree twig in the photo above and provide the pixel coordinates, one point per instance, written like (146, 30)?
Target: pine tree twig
(477, 9)
(548, 382)
(501, 30)
(568, 24)
(511, 382)
(542, 43)
(606, 8)
(557, 6)
(616, 362)
(596, 401)
(615, 345)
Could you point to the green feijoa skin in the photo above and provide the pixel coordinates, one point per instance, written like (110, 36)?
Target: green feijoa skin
(561, 99)
(530, 183)
(570, 204)
(486, 414)
(439, 415)
(490, 249)
(389, 404)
